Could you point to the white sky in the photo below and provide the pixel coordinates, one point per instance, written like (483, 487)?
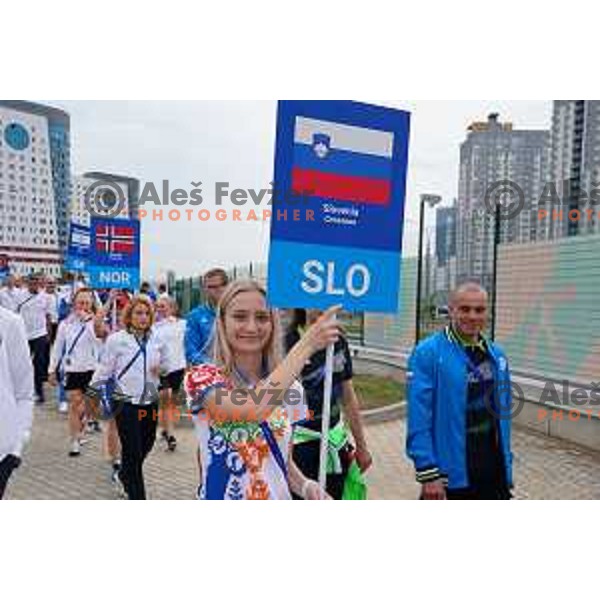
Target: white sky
(233, 141)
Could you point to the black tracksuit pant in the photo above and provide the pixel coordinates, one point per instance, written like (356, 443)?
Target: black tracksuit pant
(40, 355)
(7, 465)
(137, 432)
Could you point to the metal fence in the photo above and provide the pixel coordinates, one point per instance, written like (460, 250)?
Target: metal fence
(188, 291)
(547, 315)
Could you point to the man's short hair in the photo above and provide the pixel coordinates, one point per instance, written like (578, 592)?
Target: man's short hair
(216, 273)
(467, 286)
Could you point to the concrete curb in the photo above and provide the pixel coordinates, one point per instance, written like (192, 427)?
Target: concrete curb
(393, 412)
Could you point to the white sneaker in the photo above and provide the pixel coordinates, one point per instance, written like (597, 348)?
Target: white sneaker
(63, 408)
(117, 483)
(93, 427)
(75, 448)
(114, 475)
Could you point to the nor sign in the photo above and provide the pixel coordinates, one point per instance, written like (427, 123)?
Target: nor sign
(115, 253)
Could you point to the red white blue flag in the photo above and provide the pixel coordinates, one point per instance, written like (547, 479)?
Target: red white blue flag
(115, 242)
(342, 162)
(115, 239)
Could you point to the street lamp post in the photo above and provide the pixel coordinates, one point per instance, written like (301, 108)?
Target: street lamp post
(431, 200)
(495, 269)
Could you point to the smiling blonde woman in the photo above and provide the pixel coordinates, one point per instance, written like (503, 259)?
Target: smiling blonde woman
(246, 403)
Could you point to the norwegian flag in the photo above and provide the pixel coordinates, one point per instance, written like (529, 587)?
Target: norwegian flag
(115, 239)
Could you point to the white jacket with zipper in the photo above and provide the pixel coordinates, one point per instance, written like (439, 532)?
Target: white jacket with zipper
(16, 385)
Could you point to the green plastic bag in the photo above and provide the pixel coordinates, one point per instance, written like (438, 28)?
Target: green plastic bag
(355, 486)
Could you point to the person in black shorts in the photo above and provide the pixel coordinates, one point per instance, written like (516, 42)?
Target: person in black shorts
(171, 331)
(77, 350)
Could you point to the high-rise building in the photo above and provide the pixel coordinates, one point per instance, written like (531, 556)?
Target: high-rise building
(129, 184)
(35, 180)
(445, 234)
(102, 195)
(574, 165)
(445, 247)
(495, 152)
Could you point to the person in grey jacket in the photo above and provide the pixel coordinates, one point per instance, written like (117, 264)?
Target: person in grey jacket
(16, 399)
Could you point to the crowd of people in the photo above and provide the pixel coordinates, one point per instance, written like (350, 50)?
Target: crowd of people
(121, 363)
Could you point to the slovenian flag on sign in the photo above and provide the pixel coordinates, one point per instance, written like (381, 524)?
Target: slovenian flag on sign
(342, 162)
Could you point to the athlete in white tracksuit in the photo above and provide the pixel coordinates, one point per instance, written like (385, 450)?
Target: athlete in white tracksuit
(16, 399)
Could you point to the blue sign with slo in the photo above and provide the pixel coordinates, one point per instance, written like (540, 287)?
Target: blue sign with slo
(338, 205)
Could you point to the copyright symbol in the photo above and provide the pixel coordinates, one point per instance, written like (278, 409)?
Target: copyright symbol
(497, 400)
(104, 199)
(508, 195)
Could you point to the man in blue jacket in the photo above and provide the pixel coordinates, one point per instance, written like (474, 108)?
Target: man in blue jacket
(199, 322)
(459, 402)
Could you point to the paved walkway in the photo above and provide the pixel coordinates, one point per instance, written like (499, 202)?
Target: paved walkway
(544, 468)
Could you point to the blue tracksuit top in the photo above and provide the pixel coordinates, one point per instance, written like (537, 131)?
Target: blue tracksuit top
(199, 335)
(437, 395)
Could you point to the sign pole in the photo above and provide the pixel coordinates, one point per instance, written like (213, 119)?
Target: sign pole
(327, 389)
